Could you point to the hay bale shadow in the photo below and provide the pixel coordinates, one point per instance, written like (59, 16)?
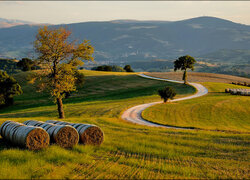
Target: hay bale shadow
(4, 144)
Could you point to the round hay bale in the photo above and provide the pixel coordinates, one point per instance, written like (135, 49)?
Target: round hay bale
(227, 90)
(234, 92)
(30, 137)
(2, 127)
(89, 134)
(33, 123)
(63, 135)
(33, 138)
(51, 121)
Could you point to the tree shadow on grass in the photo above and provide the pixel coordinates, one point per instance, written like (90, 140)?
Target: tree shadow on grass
(43, 113)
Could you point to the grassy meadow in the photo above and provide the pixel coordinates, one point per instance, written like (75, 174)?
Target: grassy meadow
(129, 150)
(216, 111)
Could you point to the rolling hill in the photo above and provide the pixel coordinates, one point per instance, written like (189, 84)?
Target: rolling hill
(140, 40)
(132, 151)
(150, 45)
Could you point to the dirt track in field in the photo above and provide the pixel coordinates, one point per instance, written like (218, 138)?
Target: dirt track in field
(134, 114)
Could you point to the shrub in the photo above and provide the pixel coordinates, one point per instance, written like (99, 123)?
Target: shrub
(9, 88)
(128, 68)
(26, 64)
(167, 93)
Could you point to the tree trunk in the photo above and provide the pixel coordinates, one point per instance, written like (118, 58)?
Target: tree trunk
(185, 77)
(60, 108)
(165, 100)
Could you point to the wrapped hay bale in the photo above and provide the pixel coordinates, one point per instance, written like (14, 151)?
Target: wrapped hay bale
(227, 90)
(33, 138)
(89, 134)
(233, 91)
(238, 91)
(64, 135)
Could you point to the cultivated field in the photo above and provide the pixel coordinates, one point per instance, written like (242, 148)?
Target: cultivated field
(129, 150)
(200, 77)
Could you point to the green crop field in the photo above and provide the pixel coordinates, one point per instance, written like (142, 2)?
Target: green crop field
(129, 150)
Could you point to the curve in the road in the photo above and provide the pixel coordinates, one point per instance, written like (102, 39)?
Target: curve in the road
(134, 114)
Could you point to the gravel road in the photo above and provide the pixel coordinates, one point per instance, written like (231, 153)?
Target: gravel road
(134, 114)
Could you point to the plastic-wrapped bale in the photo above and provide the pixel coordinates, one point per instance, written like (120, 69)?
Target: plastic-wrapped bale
(227, 90)
(233, 91)
(64, 135)
(33, 138)
(89, 134)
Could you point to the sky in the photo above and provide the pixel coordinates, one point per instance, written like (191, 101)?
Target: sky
(63, 12)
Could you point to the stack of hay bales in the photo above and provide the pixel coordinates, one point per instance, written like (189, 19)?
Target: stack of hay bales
(33, 138)
(63, 135)
(242, 92)
(89, 134)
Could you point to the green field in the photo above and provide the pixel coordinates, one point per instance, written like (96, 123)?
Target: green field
(215, 111)
(129, 150)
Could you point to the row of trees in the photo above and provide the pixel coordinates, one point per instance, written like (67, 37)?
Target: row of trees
(113, 68)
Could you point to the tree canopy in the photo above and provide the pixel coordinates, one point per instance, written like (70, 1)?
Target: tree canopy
(9, 88)
(59, 59)
(128, 68)
(167, 93)
(26, 64)
(184, 63)
(113, 68)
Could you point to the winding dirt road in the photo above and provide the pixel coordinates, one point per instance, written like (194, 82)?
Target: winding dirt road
(134, 114)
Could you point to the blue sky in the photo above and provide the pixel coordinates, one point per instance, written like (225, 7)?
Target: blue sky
(57, 12)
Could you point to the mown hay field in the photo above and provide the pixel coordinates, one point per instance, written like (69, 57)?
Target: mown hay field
(200, 77)
(215, 111)
(128, 150)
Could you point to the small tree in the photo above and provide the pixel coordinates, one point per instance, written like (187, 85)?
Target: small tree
(184, 63)
(9, 88)
(59, 59)
(25, 64)
(128, 68)
(167, 93)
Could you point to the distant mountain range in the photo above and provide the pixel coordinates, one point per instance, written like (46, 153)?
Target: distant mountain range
(5, 23)
(119, 41)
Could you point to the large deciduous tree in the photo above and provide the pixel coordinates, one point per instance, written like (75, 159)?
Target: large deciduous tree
(59, 59)
(9, 88)
(184, 63)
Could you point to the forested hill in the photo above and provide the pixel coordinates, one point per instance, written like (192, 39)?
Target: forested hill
(125, 40)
